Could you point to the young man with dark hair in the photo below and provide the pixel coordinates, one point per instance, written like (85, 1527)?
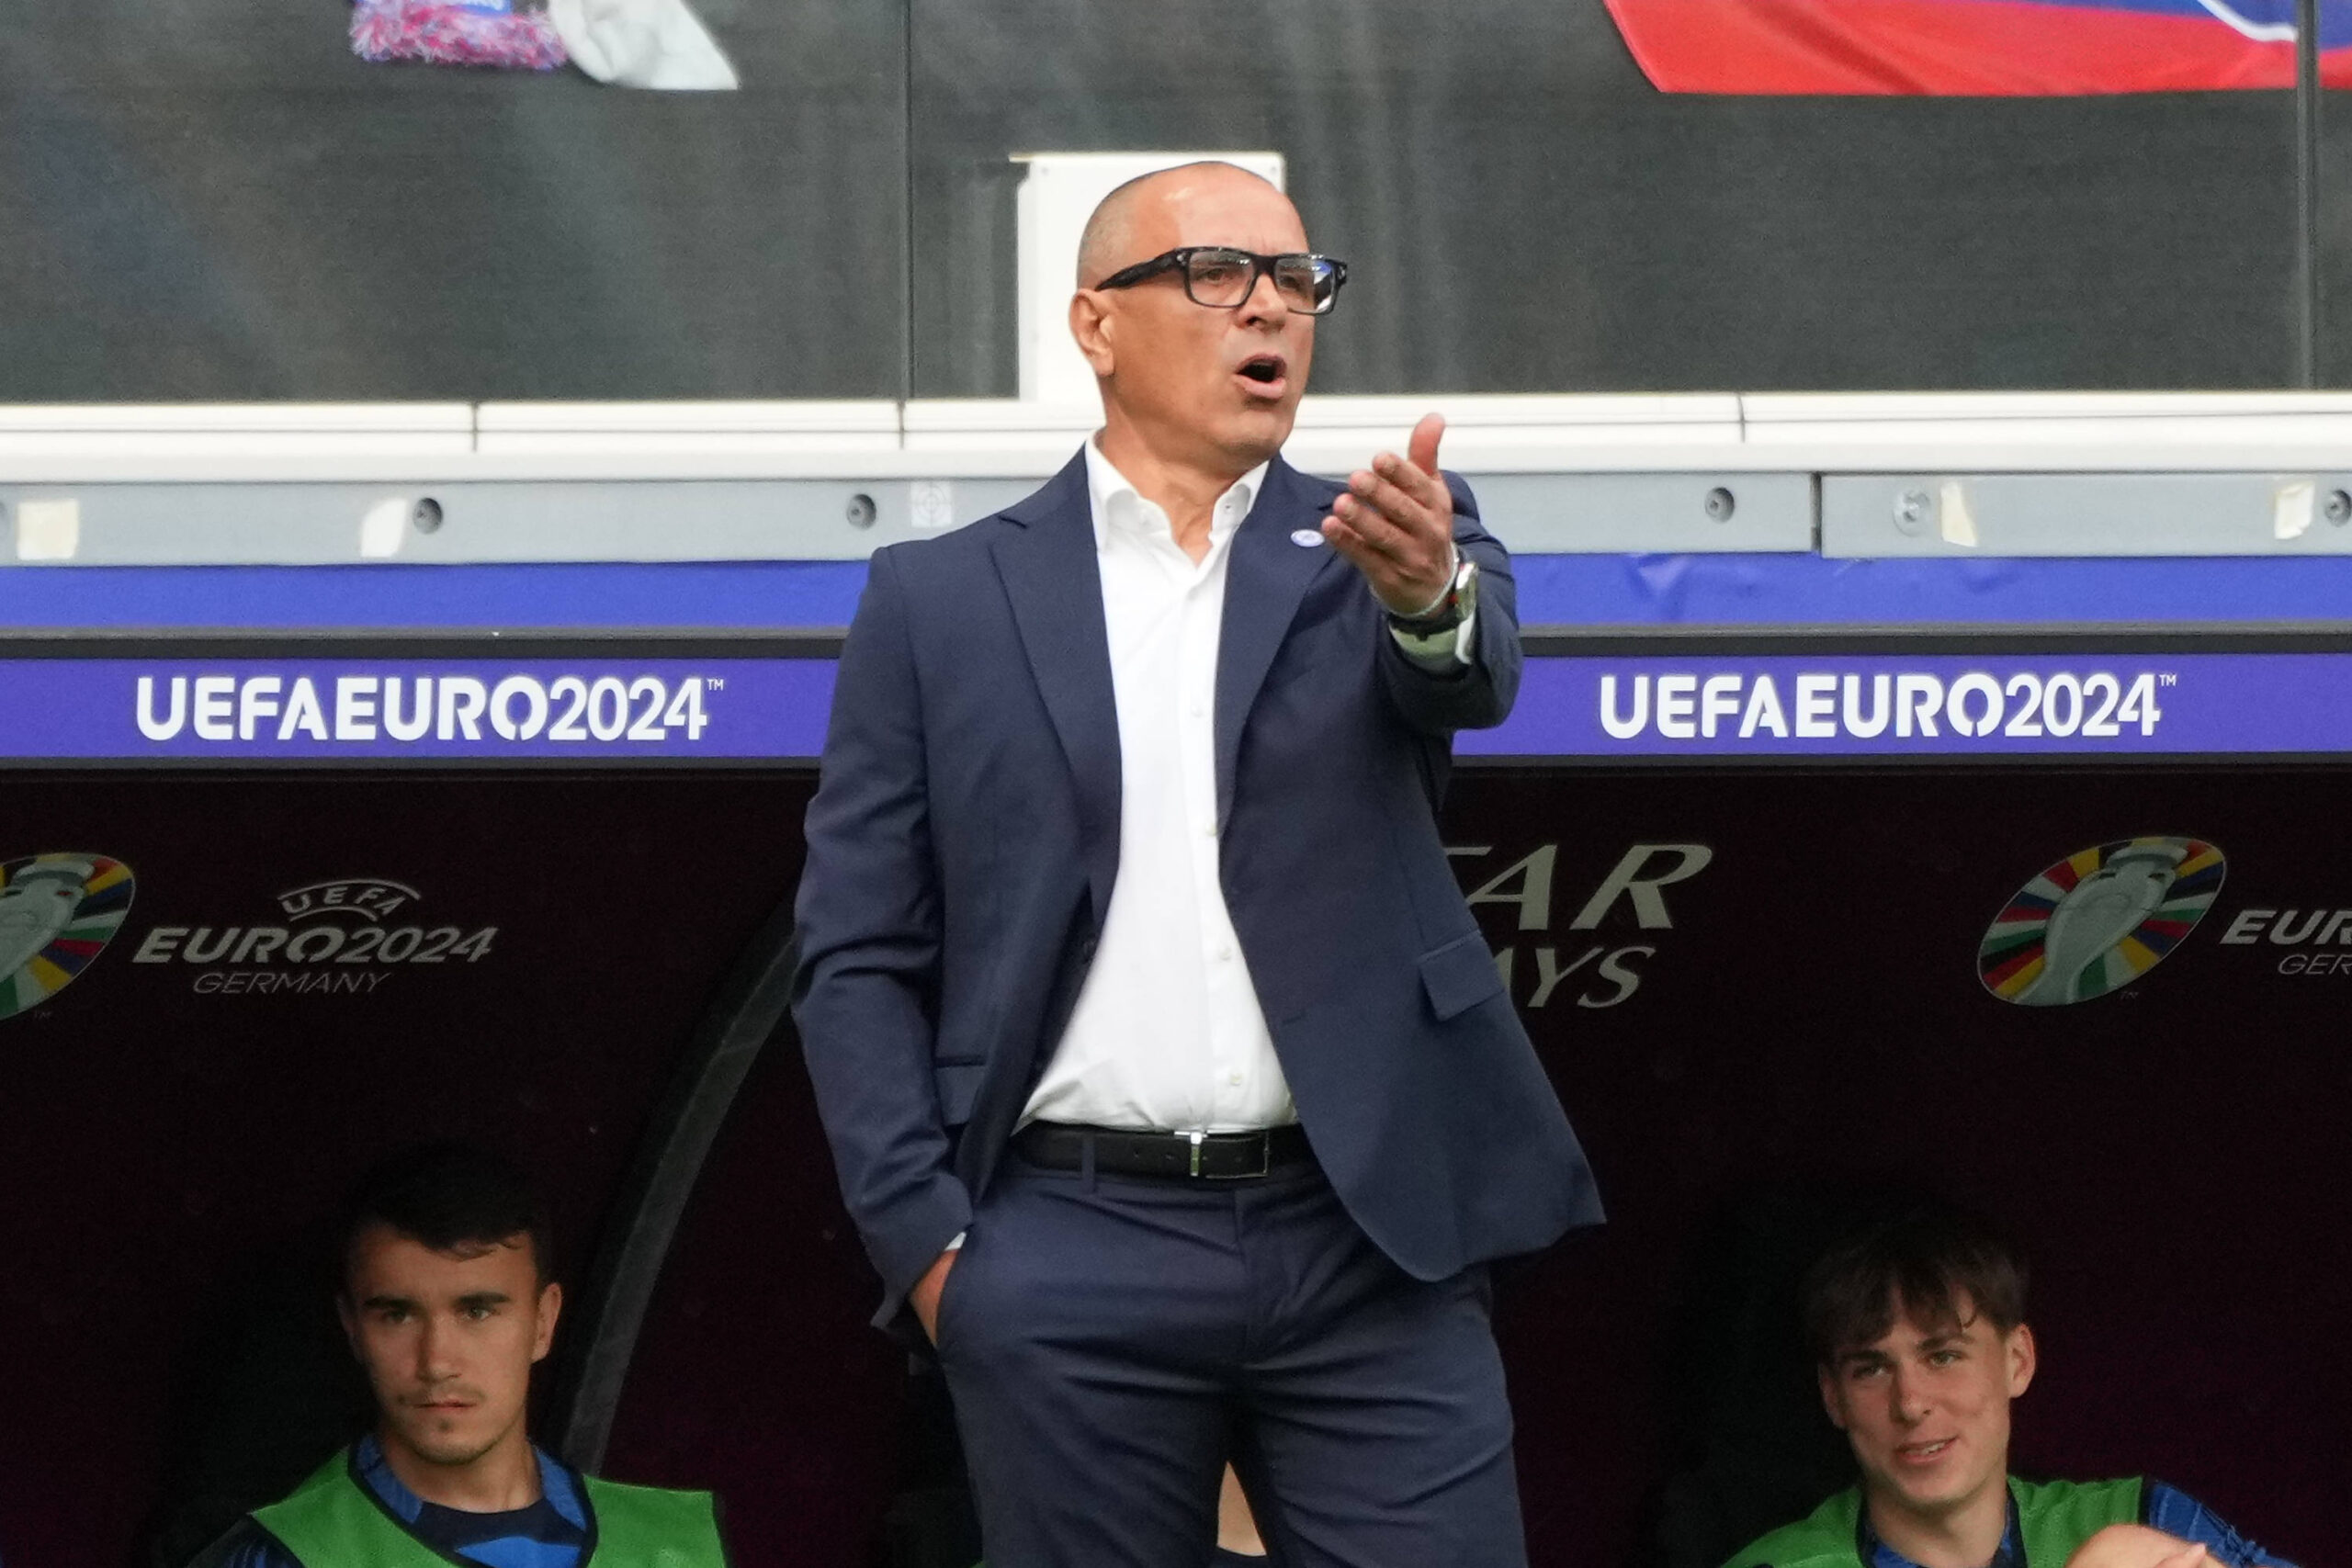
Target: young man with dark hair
(447, 1295)
(1919, 1338)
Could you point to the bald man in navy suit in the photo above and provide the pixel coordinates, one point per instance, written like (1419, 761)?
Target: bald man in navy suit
(1170, 1083)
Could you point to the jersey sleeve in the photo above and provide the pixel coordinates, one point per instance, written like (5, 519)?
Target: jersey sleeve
(2175, 1513)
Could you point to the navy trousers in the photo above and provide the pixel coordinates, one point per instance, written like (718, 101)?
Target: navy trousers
(1112, 1342)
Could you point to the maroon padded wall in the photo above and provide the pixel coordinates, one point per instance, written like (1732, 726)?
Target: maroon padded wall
(2172, 1156)
(1810, 1016)
(166, 1151)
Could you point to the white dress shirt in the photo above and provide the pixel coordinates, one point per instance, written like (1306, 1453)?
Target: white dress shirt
(1167, 1032)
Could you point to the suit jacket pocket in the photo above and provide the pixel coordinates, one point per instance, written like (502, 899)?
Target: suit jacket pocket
(958, 1084)
(1460, 976)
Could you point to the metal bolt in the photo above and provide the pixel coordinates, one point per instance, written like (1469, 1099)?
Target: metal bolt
(1720, 504)
(861, 511)
(425, 517)
(2338, 507)
(1914, 510)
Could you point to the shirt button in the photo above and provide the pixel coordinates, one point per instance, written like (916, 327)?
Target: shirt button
(1234, 1078)
(1224, 956)
(1209, 830)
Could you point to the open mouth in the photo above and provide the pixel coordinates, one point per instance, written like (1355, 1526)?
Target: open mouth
(1921, 1453)
(1263, 370)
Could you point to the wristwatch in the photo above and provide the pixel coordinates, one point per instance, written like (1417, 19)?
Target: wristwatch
(1453, 607)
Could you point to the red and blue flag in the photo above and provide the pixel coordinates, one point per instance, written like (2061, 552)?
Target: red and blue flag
(1990, 47)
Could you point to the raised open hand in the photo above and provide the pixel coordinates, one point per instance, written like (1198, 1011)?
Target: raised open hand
(1395, 524)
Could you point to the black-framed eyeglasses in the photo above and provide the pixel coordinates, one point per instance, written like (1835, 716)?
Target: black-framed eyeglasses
(1222, 277)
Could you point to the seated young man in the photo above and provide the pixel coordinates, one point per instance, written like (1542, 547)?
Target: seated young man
(1918, 1332)
(447, 1298)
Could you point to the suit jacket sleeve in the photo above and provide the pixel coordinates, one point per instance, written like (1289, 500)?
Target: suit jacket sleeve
(1438, 703)
(865, 993)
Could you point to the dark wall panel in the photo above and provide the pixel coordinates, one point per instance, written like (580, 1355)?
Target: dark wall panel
(2332, 182)
(1806, 1023)
(1525, 213)
(758, 1374)
(218, 200)
(1797, 1020)
(174, 1134)
(1801, 1013)
(214, 200)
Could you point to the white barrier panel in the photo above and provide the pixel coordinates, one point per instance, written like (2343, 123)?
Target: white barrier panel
(1849, 475)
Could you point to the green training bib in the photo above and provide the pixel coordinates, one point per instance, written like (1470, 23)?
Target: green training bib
(2054, 1518)
(332, 1520)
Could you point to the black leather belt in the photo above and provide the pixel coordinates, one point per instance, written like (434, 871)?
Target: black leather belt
(1202, 1156)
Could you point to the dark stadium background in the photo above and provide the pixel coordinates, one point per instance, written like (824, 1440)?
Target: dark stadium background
(211, 199)
(214, 200)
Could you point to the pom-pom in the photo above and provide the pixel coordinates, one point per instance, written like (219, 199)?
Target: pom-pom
(445, 34)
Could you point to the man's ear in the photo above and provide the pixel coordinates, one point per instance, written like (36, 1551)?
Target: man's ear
(550, 1308)
(1089, 323)
(349, 1315)
(1833, 1403)
(2022, 1356)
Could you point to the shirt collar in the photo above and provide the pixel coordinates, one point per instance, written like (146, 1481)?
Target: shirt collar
(1875, 1553)
(1115, 502)
(556, 1483)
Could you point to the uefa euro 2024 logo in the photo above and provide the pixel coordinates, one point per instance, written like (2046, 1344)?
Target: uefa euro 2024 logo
(57, 913)
(2099, 919)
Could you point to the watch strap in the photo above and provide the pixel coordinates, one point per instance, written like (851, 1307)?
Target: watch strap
(1452, 607)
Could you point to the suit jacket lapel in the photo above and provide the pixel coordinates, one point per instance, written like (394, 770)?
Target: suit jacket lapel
(1054, 584)
(1264, 582)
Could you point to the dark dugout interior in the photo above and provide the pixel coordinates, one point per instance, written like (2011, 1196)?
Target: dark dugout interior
(216, 200)
(1797, 1018)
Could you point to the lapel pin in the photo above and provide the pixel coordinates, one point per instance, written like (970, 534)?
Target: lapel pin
(1307, 539)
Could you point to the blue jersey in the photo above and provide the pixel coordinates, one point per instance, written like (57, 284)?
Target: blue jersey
(2163, 1507)
(550, 1533)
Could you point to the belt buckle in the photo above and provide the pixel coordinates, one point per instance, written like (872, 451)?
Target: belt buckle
(1265, 1159)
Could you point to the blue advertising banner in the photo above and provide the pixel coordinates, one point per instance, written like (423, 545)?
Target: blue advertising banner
(297, 709)
(1953, 706)
(601, 708)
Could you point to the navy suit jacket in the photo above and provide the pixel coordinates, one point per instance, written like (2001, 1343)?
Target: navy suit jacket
(963, 840)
